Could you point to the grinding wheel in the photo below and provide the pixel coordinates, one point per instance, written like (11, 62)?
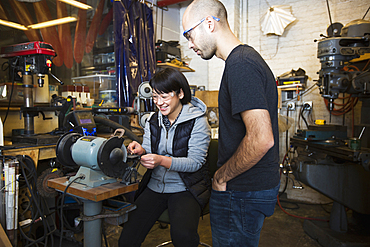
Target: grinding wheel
(42, 182)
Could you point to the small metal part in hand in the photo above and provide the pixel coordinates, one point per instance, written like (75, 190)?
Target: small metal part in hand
(133, 156)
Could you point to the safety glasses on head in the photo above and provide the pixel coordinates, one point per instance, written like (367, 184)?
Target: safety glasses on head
(187, 32)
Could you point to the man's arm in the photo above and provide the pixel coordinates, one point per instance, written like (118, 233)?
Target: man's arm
(256, 143)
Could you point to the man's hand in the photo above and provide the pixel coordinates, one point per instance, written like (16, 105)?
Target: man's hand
(216, 185)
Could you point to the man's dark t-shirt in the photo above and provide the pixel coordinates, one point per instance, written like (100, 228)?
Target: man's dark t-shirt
(247, 83)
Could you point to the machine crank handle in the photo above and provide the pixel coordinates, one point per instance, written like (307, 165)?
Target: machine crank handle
(56, 78)
(300, 186)
(119, 133)
(44, 117)
(297, 187)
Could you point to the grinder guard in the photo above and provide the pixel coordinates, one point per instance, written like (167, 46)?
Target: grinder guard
(101, 160)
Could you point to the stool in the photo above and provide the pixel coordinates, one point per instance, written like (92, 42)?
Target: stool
(165, 218)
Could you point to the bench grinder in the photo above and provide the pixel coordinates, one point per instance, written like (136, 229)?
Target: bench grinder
(101, 160)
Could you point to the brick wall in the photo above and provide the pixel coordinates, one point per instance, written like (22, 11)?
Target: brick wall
(294, 49)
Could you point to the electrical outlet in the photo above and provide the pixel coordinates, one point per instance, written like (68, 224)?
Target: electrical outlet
(291, 106)
(308, 103)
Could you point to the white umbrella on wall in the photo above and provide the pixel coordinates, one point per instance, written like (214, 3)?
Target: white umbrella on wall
(276, 19)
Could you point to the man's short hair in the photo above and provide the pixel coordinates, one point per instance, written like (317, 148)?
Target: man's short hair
(203, 8)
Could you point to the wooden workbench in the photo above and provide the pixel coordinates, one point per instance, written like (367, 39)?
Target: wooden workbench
(92, 203)
(35, 152)
(96, 194)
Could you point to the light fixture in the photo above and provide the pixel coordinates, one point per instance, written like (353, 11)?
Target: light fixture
(12, 24)
(77, 4)
(53, 22)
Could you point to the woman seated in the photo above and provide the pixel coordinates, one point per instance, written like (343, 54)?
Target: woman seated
(174, 151)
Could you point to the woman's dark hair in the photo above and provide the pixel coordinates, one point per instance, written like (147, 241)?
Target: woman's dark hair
(171, 80)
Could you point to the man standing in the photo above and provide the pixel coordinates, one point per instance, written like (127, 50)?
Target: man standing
(246, 185)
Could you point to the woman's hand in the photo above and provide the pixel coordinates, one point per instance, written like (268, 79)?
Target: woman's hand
(151, 161)
(135, 148)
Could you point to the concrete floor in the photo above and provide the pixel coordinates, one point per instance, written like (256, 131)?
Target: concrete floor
(278, 230)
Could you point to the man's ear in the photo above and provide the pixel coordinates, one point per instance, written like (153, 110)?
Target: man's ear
(210, 22)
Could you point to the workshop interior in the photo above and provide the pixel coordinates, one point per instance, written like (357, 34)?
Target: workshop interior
(74, 92)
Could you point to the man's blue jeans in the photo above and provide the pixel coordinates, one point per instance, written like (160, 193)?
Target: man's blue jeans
(237, 216)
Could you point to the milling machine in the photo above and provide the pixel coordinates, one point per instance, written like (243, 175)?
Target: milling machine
(324, 161)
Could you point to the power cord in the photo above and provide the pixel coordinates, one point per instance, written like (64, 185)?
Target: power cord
(11, 92)
(301, 94)
(61, 209)
(286, 185)
(296, 216)
(76, 229)
(36, 204)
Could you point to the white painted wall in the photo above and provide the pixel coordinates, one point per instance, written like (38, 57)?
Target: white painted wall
(167, 23)
(294, 49)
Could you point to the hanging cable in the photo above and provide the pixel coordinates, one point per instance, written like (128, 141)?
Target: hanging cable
(301, 113)
(282, 166)
(287, 131)
(66, 223)
(36, 204)
(347, 107)
(286, 184)
(79, 227)
(11, 66)
(61, 209)
(296, 216)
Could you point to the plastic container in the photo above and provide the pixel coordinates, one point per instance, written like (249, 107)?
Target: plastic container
(68, 90)
(89, 102)
(85, 94)
(77, 93)
(98, 85)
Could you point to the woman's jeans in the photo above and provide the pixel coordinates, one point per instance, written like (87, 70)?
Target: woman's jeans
(237, 216)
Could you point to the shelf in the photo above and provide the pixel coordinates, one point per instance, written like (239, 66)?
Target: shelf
(291, 87)
(107, 49)
(174, 66)
(99, 66)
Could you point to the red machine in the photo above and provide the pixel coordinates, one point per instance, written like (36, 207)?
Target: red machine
(25, 49)
(28, 59)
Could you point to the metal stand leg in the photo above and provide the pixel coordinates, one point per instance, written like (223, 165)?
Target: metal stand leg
(92, 229)
(338, 218)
